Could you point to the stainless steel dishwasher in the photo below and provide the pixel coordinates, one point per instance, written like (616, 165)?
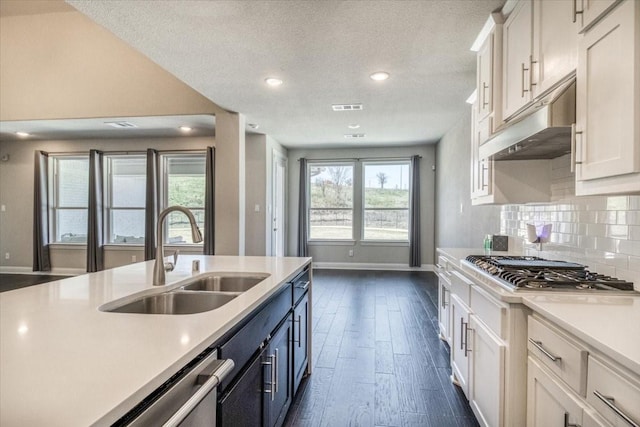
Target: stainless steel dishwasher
(188, 399)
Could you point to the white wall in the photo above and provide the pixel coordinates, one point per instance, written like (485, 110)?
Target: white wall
(367, 254)
(259, 192)
(458, 223)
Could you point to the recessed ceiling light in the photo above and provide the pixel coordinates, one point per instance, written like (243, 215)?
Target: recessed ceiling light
(353, 126)
(379, 76)
(273, 81)
(185, 129)
(253, 125)
(23, 134)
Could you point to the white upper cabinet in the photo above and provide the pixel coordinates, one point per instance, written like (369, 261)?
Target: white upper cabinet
(517, 51)
(485, 81)
(608, 104)
(587, 12)
(555, 42)
(488, 46)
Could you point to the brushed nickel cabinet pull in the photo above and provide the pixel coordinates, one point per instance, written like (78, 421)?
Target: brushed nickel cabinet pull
(610, 402)
(576, 12)
(484, 94)
(538, 345)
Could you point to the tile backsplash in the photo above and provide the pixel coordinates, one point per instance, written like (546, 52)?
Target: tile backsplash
(602, 232)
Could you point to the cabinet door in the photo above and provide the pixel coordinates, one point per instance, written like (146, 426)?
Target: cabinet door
(555, 43)
(607, 108)
(459, 353)
(280, 377)
(486, 375)
(299, 341)
(444, 318)
(243, 404)
(593, 9)
(548, 402)
(517, 45)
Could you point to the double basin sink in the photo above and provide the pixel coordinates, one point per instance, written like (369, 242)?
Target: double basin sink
(203, 293)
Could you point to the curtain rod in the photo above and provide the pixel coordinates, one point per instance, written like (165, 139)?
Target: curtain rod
(82, 153)
(343, 159)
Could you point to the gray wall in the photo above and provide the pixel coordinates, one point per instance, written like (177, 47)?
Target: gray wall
(367, 254)
(16, 194)
(458, 223)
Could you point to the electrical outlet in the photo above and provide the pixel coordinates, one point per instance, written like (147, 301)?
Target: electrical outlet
(350, 252)
(134, 258)
(3, 208)
(7, 255)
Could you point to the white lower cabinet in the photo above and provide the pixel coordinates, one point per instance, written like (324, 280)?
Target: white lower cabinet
(549, 402)
(556, 393)
(459, 344)
(486, 373)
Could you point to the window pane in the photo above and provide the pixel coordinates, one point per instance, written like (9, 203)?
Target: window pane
(179, 228)
(73, 181)
(127, 226)
(186, 180)
(71, 226)
(386, 201)
(331, 201)
(128, 181)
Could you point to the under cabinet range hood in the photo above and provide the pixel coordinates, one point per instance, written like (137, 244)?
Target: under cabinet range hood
(542, 131)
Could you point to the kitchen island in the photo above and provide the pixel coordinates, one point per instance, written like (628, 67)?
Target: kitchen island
(63, 362)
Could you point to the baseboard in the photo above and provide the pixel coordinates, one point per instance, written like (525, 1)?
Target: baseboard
(55, 271)
(370, 266)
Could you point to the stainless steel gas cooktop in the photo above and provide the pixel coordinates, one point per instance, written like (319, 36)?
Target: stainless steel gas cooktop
(537, 273)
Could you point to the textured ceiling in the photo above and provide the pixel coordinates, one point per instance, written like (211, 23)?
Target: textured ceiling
(324, 51)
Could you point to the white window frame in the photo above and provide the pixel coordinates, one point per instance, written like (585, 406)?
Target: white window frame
(364, 163)
(337, 162)
(54, 194)
(164, 191)
(109, 208)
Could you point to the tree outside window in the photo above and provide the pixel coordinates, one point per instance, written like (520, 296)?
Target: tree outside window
(386, 201)
(331, 201)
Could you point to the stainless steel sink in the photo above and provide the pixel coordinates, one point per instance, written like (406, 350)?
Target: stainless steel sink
(227, 282)
(176, 302)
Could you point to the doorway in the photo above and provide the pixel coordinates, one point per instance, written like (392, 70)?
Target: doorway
(279, 204)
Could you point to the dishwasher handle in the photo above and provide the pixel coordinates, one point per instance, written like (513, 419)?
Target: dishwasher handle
(209, 381)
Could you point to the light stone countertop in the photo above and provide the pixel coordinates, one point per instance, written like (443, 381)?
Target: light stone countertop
(65, 363)
(608, 323)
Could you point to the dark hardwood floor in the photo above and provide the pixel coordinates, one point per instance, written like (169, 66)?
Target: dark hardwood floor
(9, 282)
(377, 359)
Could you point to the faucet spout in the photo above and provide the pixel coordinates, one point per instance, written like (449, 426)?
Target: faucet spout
(159, 266)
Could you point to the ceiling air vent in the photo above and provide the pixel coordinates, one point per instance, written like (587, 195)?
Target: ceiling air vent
(354, 135)
(346, 107)
(121, 125)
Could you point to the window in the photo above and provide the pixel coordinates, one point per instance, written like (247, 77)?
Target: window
(125, 198)
(69, 197)
(330, 201)
(386, 201)
(184, 185)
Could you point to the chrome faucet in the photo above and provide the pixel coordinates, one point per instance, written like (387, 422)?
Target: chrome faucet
(160, 266)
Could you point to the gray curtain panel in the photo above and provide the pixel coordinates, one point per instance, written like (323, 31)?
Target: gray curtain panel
(95, 239)
(151, 205)
(414, 214)
(41, 258)
(210, 203)
(303, 247)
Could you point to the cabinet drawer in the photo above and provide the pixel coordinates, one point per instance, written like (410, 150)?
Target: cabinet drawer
(461, 286)
(559, 354)
(241, 346)
(492, 312)
(613, 396)
(300, 286)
